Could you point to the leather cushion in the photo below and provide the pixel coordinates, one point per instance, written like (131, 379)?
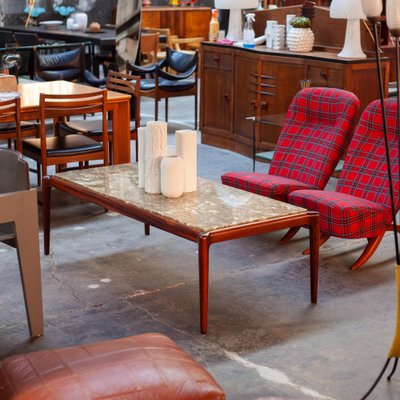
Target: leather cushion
(63, 145)
(165, 84)
(8, 127)
(87, 127)
(66, 74)
(143, 367)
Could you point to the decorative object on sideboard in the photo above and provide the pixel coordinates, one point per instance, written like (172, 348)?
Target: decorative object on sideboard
(300, 37)
(278, 36)
(172, 176)
(235, 15)
(186, 148)
(155, 149)
(352, 11)
(269, 33)
(373, 10)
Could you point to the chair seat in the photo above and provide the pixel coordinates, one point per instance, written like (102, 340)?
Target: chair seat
(168, 85)
(8, 127)
(63, 145)
(275, 187)
(147, 366)
(87, 127)
(343, 215)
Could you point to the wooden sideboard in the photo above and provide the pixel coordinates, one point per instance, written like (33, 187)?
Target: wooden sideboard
(231, 90)
(183, 21)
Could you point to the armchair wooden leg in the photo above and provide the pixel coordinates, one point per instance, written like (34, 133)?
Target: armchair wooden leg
(156, 108)
(195, 111)
(289, 234)
(166, 109)
(323, 238)
(369, 250)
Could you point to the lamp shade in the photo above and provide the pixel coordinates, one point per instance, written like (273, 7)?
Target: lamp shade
(372, 8)
(350, 9)
(393, 16)
(235, 4)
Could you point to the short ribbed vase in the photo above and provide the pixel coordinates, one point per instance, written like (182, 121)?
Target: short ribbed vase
(172, 176)
(300, 39)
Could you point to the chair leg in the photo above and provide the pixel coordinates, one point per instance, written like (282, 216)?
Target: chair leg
(369, 250)
(9, 143)
(137, 149)
(156, 109)
(166, 109)
(322, 240)
(195, 111)
(289, 234)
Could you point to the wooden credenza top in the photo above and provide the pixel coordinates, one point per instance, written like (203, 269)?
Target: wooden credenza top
(174, 9)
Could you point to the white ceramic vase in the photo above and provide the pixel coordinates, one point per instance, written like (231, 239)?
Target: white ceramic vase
(82, 20)
(300, 39)
(172, 176)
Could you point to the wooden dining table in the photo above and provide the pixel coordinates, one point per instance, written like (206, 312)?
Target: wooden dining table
(117, 104)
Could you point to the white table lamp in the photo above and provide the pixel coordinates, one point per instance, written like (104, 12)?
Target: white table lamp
(235, 32)
(351, 10)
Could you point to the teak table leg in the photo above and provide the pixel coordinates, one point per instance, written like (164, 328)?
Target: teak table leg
(203, 281)
(314, 256)
(46, 192)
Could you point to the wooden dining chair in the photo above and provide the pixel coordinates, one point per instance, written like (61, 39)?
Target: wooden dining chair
(12, 128)
(60, 150)
(117, 82)
(149, 47)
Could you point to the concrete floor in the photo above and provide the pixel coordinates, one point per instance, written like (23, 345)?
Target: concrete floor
(104, 279)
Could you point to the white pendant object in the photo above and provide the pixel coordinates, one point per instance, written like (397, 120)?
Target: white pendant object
(142, 131)
(393, 16)
(186, 148)
(372, 8)
(172, 176)
(156, 148)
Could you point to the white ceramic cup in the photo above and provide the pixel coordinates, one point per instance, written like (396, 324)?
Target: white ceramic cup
(269, 33)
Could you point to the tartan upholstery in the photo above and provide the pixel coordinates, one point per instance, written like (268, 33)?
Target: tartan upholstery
(316, 132)
(275, 187)
(360, 207)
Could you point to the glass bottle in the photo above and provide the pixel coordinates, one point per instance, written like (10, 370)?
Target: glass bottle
(214, 26)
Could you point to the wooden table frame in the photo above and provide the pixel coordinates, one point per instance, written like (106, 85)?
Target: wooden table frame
(204, 240)
(117, 103)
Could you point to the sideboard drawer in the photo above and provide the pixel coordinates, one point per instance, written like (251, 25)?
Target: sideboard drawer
(325, 76)
(218, 60)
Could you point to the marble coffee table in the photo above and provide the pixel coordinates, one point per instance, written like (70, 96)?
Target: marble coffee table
(214, 213)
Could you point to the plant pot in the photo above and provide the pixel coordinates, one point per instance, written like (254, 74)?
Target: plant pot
(300, 39)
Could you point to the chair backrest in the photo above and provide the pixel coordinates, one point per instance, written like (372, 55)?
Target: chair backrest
(365, 172)
(66, 105)
(68, 65)
(14, 171)
(317, 129)
(8, 83)
(129, 84)
(165, 32)
(26, 39)
(10, 112)
(149, 47)
(181, 62)
(6, 37)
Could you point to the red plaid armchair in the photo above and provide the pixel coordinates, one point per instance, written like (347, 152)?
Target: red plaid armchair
(360, 205)
(317, 130)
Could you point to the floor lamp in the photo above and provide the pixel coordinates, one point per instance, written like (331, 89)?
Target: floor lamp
(373, 9)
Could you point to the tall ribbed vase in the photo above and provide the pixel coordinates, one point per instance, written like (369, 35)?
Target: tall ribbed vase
(186, 148)
(156, 148)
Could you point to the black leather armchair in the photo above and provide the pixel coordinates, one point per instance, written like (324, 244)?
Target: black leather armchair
(163, 84)
(69, 66)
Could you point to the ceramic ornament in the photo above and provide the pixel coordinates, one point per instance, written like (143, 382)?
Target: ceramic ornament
(142, 132)
(156, 148)
(186, 148)
(393, 17)
(372, 8)
(172, 176)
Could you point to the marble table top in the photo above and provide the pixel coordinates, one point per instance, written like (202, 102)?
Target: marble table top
(213, 206)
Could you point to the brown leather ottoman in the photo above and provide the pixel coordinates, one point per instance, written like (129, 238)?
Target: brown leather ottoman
(143, 367)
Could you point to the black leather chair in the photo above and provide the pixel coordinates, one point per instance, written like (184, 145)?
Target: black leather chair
(164, 84)
(68, 65)
(6, 37)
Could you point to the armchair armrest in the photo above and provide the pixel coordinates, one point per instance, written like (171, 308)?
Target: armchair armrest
(166, 75)
(148, 69)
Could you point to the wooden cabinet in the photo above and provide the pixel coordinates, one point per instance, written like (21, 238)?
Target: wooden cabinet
(183, 21)
(239, 83)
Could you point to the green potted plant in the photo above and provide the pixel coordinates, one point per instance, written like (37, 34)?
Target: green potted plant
(300, 36)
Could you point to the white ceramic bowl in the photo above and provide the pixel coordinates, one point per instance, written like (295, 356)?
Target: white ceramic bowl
(51, 24)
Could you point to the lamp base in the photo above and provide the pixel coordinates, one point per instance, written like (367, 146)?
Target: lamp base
(352, 43)
(235, 32)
